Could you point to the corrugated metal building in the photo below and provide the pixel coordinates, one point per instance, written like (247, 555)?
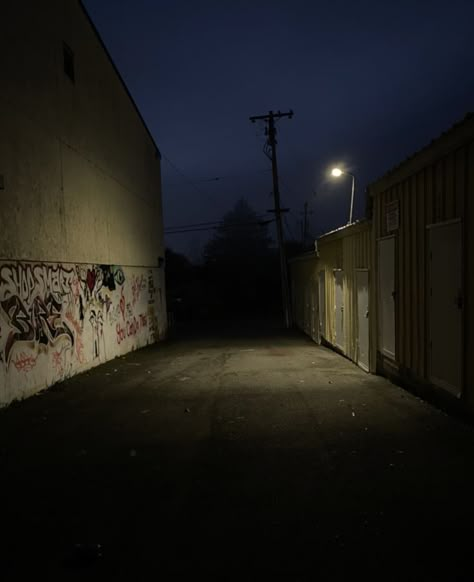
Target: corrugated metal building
(344, 275)
(423, 248)
(331, 291)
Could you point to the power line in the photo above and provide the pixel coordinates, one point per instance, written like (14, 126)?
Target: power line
(193, 184)
(217, 226)
(192, 230)
(216, 222)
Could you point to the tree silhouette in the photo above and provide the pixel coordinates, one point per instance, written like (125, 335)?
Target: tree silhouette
(241, 265)
(242, 235)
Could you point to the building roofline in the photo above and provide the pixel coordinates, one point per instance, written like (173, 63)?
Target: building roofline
(117, 72)
(443, 140)
(341, 230)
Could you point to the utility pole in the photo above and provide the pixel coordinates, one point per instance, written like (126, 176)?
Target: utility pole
(271, 133)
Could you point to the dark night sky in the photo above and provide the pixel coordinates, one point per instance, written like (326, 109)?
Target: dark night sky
(370, 82)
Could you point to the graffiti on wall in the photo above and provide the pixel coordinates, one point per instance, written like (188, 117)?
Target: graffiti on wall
(31, 299)
(56, 319)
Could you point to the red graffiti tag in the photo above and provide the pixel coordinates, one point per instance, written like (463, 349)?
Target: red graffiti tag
(122, 304)
(90, 279)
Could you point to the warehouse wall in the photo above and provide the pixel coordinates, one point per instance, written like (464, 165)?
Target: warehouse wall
(58, 319)
(80, 192)
(81, 173)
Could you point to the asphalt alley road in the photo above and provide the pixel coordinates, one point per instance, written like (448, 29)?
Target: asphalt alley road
(247, 456)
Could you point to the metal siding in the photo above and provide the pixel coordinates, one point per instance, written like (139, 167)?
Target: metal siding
(449, 197)
(420, 271)
(438, 191)
(399, 282)
(351, 252)
(413, 194)
(435, 193)
(469, 275)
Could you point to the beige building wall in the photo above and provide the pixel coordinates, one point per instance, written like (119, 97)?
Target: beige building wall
(81, 172)
(80, 194)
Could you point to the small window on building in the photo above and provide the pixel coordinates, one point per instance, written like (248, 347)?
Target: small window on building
(68, 62)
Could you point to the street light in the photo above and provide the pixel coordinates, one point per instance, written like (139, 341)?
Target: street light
(337, 172)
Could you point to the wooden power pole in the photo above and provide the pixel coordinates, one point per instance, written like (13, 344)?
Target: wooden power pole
(271, 133)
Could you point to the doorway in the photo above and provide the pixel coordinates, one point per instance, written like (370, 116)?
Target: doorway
(386, 296)
(322, 303)
(445, 306)
(339, 338)
(362, 282)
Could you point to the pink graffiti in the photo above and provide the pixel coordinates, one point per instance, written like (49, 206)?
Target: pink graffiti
(24, 362)
(132, 327)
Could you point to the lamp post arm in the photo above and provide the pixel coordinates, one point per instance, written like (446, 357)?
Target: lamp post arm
(352, 198)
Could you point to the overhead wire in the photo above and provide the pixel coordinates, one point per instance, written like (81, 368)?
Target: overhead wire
(189, 180)
(215, 226)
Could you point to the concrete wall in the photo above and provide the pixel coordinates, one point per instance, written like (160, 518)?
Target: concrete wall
(58, 319)
(82, 194)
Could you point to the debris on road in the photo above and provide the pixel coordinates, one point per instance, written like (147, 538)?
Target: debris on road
(145, 411)
(187, 410)
(133, 453)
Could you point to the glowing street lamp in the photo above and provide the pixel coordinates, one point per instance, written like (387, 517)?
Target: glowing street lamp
(337, 172)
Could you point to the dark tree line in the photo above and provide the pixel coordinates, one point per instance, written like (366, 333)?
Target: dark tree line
(239, 277)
